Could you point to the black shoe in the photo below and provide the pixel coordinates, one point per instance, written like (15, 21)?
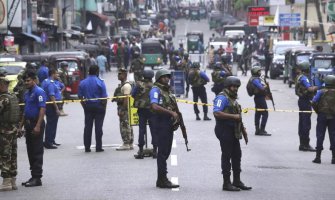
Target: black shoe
(333, 161)
(206, 118)
(317, 160)
(263, 132)
(34, 182)
(154, 154)
(241, 185)
(306, 148)
(56, 144)
(165, 183)
(99, 150)
(49, 146)
(24, 183)
(87, 150)
(139, 155)
(198, 118)
(230, 187)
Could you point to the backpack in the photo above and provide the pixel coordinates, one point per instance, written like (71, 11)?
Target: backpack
(250, 87)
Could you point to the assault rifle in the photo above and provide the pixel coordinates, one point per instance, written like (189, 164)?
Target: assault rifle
(269, 93)
(182, 125)
(240, 126)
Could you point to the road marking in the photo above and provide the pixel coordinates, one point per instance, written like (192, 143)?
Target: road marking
(105, 145)
(174, 161)
(175, 181)
(174, 144)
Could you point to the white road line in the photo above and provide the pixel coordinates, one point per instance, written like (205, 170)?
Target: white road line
(174, 160)
(175, 181)
(174, 144)
(105, 145)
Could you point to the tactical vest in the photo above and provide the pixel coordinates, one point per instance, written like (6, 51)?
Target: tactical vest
(232, 108)
(251, 88)
(166, 99)
(11, 114)
(142, 100)
(118, 93)
(301, 90)
(137, 65)
(327, 102)
(195, 79)
(216, 77)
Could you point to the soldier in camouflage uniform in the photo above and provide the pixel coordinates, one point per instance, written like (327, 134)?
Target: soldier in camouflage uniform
(126, 130)
(323, 103)
(64, 78)
(219, 75)
(142, 102)
(9, 118)
(137, 66)
(185, 65)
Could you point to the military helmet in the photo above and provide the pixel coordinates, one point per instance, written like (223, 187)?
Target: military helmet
(218, 65)
(196, 65)
(64, 64)
(232, 81)
(255, 70)
(148, 74)
(161, 73)
(303, 66)
(4, 80)
(330, 81)
(186, 55)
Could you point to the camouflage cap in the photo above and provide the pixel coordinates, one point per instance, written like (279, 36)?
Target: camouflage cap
(122, 70)
(3, 72)
(4, 80)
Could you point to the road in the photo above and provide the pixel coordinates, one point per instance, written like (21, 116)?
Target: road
(273, 166)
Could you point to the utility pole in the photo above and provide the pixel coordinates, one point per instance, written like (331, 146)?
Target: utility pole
(60, 23)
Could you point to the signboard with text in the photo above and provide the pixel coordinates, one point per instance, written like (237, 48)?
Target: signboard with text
(255, 12)
(290, 19)
(3, 16)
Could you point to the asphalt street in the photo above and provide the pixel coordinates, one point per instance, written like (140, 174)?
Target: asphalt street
(273, 166)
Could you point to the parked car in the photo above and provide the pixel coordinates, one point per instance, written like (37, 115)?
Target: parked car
(12, 70)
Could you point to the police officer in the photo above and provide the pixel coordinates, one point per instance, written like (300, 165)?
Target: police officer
(137, 66)
(9, 119)
(198, 79)
(186, 63)
(124, 89)
(257, 88)
(305, 91)
(43, 72)
(90, 88)
(323, 103)
(218, 76)
(33, 120)
(229, 130)
(162, 103)
(140, 93)
(52, 111)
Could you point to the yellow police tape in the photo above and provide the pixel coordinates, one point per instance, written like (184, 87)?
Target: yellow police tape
(244, 110)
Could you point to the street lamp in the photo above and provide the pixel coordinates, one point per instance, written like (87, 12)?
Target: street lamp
(310, 36)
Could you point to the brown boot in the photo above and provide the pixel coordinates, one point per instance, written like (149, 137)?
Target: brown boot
(14, 183)
(6, 185)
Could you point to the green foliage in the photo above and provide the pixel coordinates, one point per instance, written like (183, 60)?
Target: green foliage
(242, 4)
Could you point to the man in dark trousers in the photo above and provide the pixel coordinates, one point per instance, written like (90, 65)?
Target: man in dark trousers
(162, 103)
(90, 88)
(198, 79)
(323, 104)
(33, 121)
(229, 129)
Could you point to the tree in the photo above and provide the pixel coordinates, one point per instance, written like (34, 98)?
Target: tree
(242, 4)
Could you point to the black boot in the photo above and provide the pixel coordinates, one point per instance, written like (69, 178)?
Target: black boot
(302, 145)
(317, 158)
(163, 182)
(239, 184)
(333, 158)
(140, 154)
(257, 132)
(197, 118)
(227, 184)
(263, 132)
(309, 147)
(206, 118)
(34, 182)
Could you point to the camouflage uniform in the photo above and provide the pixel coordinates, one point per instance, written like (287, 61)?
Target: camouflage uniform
(125, 129)
(8, 140)
(137, 66)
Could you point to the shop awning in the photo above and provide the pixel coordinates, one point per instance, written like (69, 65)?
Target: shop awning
(32, 36)
(101, 16)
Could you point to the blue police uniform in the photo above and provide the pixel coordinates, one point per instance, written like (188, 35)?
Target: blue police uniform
(164, 133)
(260, 102)
(51, 89)
(95, 110)
(34, 99)
(323, 121)
(230, 145)
(200, 92)
(304, 105)
(43, 73)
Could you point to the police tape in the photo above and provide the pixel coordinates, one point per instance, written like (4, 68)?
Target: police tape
(244, 110)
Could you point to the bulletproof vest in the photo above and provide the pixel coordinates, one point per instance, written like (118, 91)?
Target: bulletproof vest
(11, 114)
(327, 102)
(118, 93)
(195, 79)
(166, 99)
(142, 99)
(137, 65)
(216, 77)
(301, 90)
(251, 88)
(232, 108)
